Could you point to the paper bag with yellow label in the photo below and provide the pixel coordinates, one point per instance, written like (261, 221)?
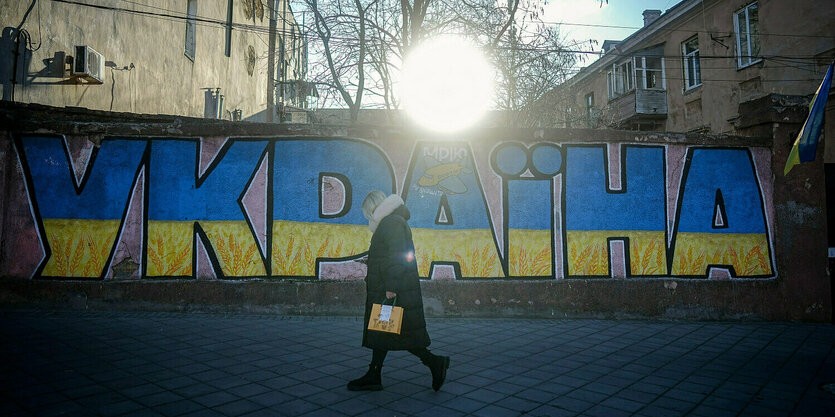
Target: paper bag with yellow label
(386, 318)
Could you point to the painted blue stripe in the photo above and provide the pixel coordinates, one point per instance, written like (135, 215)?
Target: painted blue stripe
(588, 206)
(732, 171)
(457, 179)
(529, 204)
(297, 167)
(107, 188)
(173, 193)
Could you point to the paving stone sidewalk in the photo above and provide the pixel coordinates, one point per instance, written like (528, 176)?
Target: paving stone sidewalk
(194, 364)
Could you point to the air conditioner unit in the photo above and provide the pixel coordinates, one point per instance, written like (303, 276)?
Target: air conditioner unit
(88, 65)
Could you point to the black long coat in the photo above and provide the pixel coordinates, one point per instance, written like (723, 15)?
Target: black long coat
(392, 267)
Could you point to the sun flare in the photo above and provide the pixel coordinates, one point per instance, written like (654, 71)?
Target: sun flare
(447, 84)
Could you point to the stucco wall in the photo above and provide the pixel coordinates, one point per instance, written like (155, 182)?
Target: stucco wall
(798, 30)
(501, 218)
(796, 40)
(148, 70)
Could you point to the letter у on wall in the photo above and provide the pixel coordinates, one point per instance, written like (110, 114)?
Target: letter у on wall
(78, 200)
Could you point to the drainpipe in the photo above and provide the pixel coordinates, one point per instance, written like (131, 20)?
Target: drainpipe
(282, 66)
(271, 66)
(16, 54)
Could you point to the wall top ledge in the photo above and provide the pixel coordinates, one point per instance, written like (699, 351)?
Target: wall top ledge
(41, 119)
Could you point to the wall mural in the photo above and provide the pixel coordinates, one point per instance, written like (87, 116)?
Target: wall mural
(232, 208)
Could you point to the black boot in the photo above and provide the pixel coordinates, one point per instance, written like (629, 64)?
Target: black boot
(438, 365)
(371, 381)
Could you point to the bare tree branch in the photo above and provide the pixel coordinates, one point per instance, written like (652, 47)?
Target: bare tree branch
(362, 43)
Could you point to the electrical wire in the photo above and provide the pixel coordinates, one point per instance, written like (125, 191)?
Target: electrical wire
(200, 21)
(256, 28)
(40, 36)
(717, 32)
(225, 23)
(171, 15)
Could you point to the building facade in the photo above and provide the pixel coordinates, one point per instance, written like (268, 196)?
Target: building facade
(688, 69)
(201, 59)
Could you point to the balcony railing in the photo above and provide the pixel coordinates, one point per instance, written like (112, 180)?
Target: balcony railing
(637, 105)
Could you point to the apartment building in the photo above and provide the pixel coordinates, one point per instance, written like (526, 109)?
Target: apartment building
(688, 69)
(207, 58)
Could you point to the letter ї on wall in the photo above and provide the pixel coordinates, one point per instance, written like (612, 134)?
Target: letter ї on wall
(214, 208)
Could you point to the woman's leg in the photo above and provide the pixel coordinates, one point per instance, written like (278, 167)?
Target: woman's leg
(423, 354)
(437, 364)
(378, 356)
(372, 380)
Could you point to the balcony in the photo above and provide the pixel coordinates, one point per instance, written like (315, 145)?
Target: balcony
(639, 109)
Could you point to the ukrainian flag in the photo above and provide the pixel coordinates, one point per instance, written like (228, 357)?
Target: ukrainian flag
(806, 143)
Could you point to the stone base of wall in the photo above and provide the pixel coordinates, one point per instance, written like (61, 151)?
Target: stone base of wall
(605, 298)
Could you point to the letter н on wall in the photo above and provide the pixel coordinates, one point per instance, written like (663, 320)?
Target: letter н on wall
(598, 218)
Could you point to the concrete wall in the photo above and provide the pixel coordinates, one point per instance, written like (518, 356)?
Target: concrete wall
(531, 222)
(148, 70)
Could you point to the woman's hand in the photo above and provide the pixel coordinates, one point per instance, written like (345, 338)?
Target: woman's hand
(390, 295)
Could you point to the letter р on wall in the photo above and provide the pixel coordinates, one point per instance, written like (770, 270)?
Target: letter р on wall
(301, 232)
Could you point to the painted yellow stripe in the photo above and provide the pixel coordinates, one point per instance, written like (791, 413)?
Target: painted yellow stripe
(297, 245)
(235, 248)
(79, 247)
(171, 247)
(473, 249)
(749, 254)
(588, 253)
(530, 253)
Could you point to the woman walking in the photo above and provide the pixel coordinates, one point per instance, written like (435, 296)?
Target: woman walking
(392, 272)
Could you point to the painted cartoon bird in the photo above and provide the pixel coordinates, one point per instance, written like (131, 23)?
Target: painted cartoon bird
(445, 176)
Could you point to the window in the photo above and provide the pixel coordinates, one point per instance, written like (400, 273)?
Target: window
(228, 51)
(692, 67)
(649, 72)
(747, 25)
(191, 28)
(620, 79)
(590, 109)
(627, 74)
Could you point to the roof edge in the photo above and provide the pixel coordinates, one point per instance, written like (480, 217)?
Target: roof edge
(630, 42)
